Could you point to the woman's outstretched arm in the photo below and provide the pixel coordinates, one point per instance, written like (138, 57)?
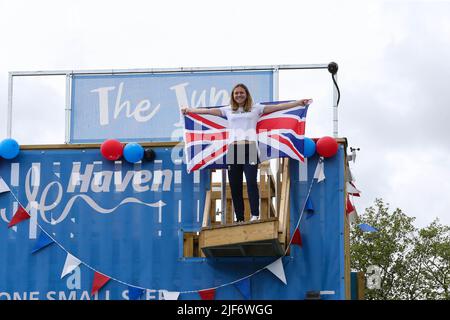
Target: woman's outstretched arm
(213, 111)
(287, 105)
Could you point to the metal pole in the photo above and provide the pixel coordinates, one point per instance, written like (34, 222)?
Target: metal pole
(10, 98)
(223, 196)
(68, 108)
(170, 70)
(276, 94)
(335, 109)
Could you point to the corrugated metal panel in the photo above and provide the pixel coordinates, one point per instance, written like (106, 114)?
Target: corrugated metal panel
(118, 229)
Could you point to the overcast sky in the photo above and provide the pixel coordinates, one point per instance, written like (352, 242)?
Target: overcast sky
(393, 58)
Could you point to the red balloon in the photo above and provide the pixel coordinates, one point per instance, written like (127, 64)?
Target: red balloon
(326, 147)
(111, 149)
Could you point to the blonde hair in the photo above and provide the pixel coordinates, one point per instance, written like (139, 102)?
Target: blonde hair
(248, 102)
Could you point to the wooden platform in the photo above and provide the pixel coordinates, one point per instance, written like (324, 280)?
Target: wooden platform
(257, 239)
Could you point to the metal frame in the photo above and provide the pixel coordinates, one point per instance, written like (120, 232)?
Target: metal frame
(70, 73)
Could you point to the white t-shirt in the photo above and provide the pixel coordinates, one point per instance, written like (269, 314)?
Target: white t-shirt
(242, 125)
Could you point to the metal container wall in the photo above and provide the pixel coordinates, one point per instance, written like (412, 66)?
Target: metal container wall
(127, 221)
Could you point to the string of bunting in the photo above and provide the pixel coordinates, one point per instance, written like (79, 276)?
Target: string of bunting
(100, 279)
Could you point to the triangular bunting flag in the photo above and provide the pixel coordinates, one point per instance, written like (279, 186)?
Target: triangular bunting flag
(319, 173)
(348, 175)
(350, 211)
(19, 216)
(170, 295)
(3, 186)
(70, 265)
(134, 293)
(277, 269)
(297, 238)
(309, 205)
(351, 189)
(352, 217)
(43, 241)
(349, 207)
(208, 294)
(99, 281)
(367, 228)
(244, 288)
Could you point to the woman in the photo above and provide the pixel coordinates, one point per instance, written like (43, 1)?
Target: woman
(242, 115)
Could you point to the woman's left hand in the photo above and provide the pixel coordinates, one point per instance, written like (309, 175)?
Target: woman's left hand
(304, 102)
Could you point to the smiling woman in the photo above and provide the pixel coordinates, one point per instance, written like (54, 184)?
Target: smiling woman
(243, 154)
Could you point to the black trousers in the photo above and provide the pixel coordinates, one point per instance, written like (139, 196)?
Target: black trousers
(244, 160)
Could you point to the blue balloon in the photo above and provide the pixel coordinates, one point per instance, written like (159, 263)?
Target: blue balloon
(133, 152)
(310, 147)
(9, 148)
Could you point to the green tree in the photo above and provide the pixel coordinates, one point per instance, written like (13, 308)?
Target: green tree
(405, 262)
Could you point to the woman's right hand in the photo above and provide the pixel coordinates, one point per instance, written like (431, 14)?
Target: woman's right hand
(184, 110)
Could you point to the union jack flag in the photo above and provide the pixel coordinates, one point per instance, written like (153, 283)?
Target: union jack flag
(280, 134)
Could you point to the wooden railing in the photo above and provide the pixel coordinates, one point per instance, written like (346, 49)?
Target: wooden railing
(269, 188)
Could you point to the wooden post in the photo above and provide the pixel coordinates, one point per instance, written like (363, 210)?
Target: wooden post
(188, 244)
(283, 214)
(278, 186)
(361, 285)
(206, 211)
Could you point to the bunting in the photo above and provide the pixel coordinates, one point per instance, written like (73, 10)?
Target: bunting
(319, 172)
(244, 288)
(351, 189)
(309, 205)
(99, 281)
(3, 186)
(170, 295)
(42, 241)
(134, 293)
(70, 265)
(19, 216)
(297, 239)
(350, 210)
(277, 269)
(348, 175)
(207, 294)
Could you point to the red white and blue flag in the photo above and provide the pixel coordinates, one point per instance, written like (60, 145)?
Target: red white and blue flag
(280, 134)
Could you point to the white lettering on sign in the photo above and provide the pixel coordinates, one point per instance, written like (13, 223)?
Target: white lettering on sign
(85, 181)
(198, 100)
(142, 111)
(149, 294)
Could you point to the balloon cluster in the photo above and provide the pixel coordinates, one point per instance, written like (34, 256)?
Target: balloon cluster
(132, 152)
(9, 148)
(325, 147)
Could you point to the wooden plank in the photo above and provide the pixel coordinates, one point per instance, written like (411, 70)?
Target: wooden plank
(239, 233)
(206, 211)
(264, 213)
(361, 285)
(247, 210)
(188, 244)
(230, 210)
(89, 145)
(212, 212)
(201, 244)
(278, 186)
(283, 214)
(265, 248)
(97, 145)
(263, 195)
